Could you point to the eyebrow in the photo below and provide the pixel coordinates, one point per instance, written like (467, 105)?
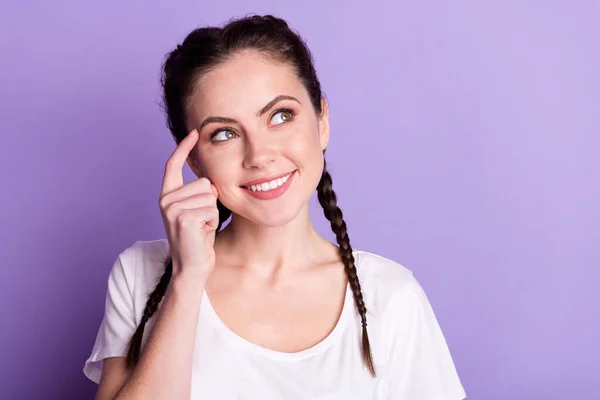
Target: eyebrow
(263, 110)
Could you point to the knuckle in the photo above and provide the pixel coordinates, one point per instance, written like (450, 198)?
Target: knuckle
(168, 165)
(163, 203)
(171, 161)
(204, 182)
(171, 212)
(210, 197)
(182, 219)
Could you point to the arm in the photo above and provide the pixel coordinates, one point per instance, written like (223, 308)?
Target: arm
(164, 369)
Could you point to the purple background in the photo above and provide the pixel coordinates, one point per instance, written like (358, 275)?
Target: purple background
(465, 141)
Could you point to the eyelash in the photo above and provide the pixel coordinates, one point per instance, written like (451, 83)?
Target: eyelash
(287, 110)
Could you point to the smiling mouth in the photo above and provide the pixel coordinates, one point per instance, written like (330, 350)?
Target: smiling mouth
(266, 186)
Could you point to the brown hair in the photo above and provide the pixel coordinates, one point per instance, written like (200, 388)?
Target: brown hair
(205, 48)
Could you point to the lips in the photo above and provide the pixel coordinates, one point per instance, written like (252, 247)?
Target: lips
(266, 179)
(271, 193)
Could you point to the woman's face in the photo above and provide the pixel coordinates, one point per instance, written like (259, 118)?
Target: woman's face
(245, 135)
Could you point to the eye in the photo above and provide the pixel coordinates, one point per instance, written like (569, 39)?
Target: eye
(285, 114)
(224, 134)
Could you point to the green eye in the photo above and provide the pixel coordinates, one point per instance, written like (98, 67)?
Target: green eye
(228, 134)
(285, 115)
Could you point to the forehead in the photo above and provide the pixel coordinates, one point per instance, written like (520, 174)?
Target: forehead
(242, 84)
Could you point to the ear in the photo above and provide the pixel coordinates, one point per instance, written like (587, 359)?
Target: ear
(324, 124)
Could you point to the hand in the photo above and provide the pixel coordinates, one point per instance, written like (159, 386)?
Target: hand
(189, 214)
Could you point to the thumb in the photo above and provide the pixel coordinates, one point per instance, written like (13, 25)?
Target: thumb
(215, 191)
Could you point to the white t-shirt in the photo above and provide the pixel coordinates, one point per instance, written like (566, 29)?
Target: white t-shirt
(411, 356)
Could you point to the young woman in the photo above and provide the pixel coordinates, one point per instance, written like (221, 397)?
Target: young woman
(264, 308)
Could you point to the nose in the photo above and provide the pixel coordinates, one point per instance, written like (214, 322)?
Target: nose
(259, 151)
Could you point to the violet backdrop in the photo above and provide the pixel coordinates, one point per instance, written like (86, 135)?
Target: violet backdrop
(465, 141)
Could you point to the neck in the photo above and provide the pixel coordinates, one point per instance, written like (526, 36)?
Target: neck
(268, 250)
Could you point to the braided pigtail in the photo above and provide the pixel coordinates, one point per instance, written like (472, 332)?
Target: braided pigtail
(328, 201)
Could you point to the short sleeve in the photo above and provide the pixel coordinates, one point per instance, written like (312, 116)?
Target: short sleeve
(418, 361)
(118, 323)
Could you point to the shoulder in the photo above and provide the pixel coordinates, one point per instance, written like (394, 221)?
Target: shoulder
(141, 265)
(409, 347)
(383, 280)
(150, 252)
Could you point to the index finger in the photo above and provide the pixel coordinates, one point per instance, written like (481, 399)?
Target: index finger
(173, 178)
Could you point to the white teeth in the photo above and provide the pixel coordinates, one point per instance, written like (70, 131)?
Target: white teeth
(263, 187)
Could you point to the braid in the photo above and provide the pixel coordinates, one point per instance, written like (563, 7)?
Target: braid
(334, 215)
(135, 343)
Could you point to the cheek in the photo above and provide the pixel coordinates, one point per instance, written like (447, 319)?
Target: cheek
(308, 155)
(219, 172)
(305, 146)
(213, 166)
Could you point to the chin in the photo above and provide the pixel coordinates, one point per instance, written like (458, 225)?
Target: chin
(272, 219)
(269, 216)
